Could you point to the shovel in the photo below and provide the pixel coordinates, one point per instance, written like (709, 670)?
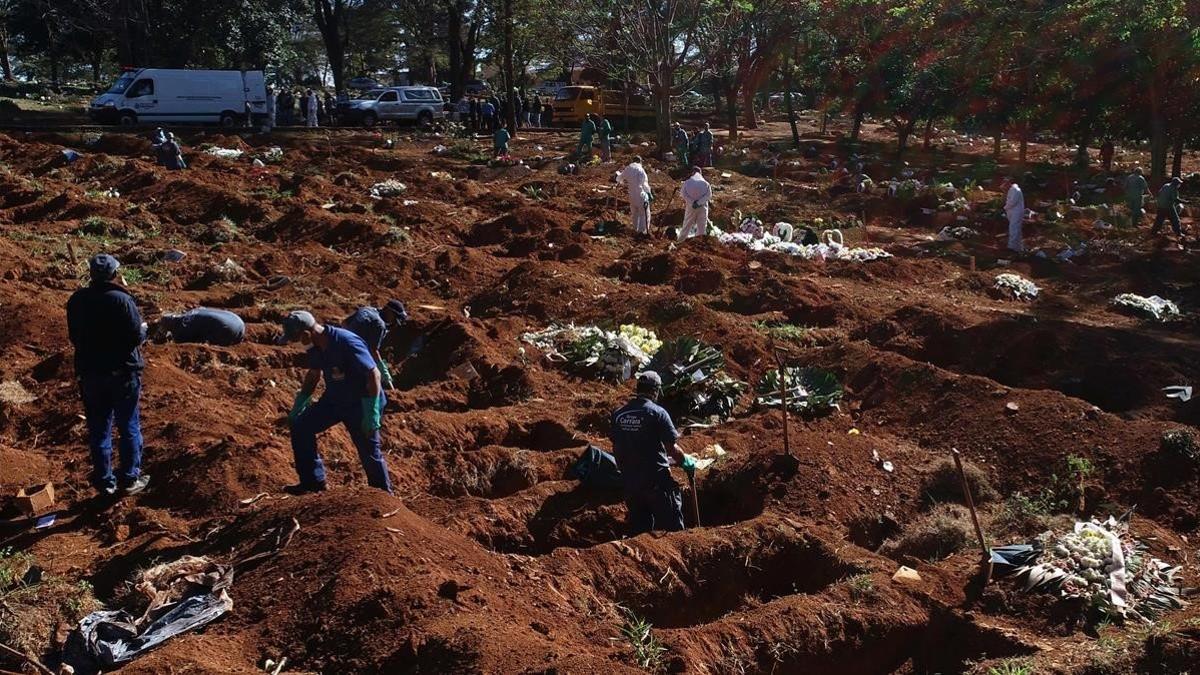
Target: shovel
(695, 500)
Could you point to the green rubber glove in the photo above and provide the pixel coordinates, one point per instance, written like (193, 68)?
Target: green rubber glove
(372, 411)
(299, 406)
(385, 375)
(689, 464)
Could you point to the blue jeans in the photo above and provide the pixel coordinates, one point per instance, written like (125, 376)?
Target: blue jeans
(654, 507)
(321, 416)
(106, 397)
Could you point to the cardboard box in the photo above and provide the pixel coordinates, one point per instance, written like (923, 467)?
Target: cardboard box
(34, 501)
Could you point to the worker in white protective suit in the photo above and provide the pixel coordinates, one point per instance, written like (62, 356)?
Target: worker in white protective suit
(1014, 209)
(634, 178)
(311, 120)
(697, 194)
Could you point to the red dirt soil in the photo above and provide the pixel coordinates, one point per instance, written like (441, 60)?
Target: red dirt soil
(488, 559)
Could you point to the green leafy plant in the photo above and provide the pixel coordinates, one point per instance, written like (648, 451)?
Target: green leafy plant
(695, 385)
(810, 391)
(862, 587)
(534, 192)
(647, 650)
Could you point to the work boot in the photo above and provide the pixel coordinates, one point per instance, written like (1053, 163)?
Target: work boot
(137, 485)
(304, 488)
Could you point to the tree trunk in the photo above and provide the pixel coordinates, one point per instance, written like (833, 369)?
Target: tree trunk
(787, 102)
(858, 120)
(328, 15)
(1024, 147)
(662, 110)
(1158, 148)
(928, 142)
(718, 109)
(996, 145)
(1177, 165)
(510, 111)
(731, 122)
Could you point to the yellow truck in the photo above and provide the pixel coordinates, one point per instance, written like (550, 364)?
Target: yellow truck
(574, 102)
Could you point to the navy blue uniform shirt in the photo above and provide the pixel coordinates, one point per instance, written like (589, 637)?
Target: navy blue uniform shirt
(367, 324)
(105, 327)
(345, 364)
(642, 435)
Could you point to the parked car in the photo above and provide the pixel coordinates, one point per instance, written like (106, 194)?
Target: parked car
(363, 82)
(181, 95)
(418, 104)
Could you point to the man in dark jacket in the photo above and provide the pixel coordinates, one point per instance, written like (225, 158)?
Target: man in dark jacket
(106, 330)
(371, 325)
(643, 439)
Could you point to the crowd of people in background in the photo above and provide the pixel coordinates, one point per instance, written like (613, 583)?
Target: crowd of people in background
(484, 113)
(306, 107)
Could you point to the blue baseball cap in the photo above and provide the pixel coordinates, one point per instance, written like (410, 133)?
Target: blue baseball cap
(294, 324)
(103, 267)
(398, 310)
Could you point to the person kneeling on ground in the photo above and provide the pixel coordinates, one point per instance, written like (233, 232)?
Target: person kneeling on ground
(201, 325)
(371, 325)
(106, 329)
(352, 396)
(644, 441)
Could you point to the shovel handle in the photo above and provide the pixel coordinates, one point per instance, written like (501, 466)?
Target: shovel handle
(695, 500)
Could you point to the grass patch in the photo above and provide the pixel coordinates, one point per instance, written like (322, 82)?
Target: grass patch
(1012, 667)
(33, 602)
(647, 650)
(1180, 442)
(945, 530)
(787, 332)
(1023, 514)
(862, 587)
(944, 484)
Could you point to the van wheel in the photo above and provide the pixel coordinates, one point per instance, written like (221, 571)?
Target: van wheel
(370, 119)
(425, 118)
(228, 120)
(127, 118)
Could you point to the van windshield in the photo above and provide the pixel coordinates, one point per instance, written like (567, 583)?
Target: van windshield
(122, 83)
(569, 93)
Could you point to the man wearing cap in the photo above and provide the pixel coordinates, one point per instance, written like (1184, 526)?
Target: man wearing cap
(106, 329)
(643, 439)
(352, 397)
(696, 193)
(201, 325)
(1167, 206)
(371, 325)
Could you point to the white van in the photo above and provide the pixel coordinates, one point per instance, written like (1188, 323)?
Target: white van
(419, 104)
(187, 96)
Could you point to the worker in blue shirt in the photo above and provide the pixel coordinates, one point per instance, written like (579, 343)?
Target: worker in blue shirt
(371, 325)
(202, 325)
(106, 329)
(644, 442)
(353, 397)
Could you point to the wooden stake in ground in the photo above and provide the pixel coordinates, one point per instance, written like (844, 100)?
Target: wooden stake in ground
(962, 476)
(783, 394)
